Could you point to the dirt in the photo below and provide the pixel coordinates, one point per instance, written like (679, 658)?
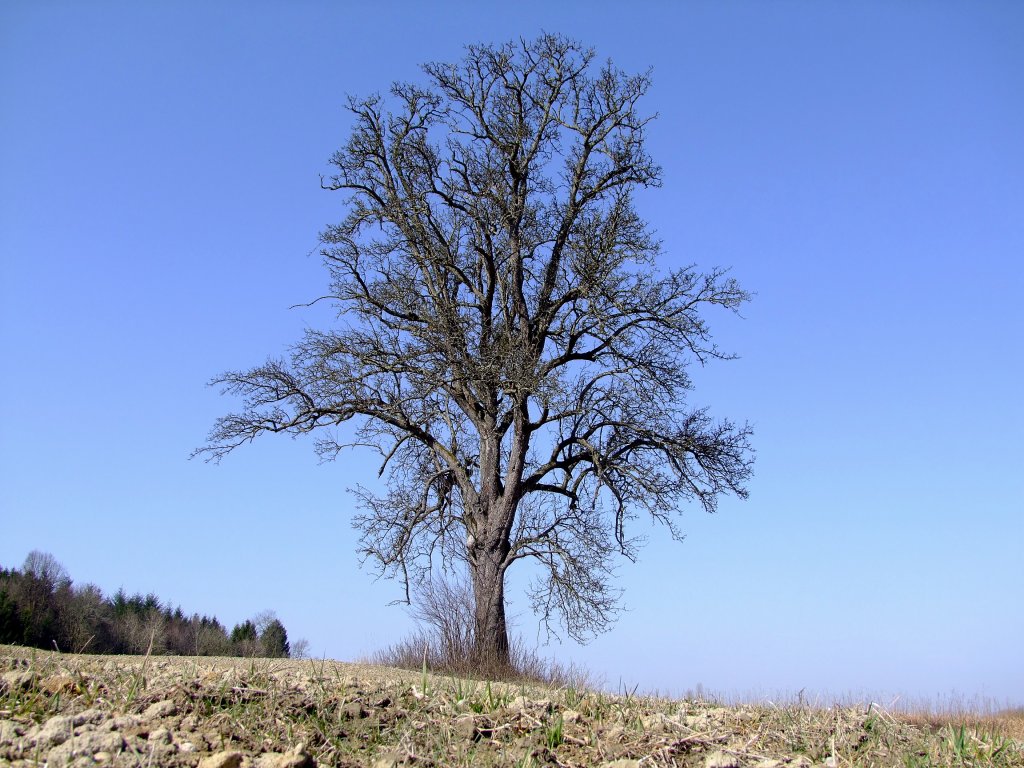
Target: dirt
(59, 709)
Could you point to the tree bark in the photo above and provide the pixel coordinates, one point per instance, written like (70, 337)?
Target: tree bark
(491, 646)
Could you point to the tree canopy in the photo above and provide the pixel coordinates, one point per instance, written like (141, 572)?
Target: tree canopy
(505, 338)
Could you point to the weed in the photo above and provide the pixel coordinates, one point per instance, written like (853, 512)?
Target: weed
(958, 740)
(554, 734)
(423, 682)
(572, 696)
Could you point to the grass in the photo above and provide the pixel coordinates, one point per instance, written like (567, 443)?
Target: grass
(423, 651)
(348, 715)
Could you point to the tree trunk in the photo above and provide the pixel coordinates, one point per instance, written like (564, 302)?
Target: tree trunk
(491, 646)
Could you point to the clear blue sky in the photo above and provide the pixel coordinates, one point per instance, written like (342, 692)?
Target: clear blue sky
(859, 165)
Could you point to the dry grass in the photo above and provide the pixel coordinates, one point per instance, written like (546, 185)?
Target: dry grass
(421, 651)
(348, 715)
(445, 643)
(1008, 723)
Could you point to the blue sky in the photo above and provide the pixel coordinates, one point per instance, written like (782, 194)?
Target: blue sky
(859, 166)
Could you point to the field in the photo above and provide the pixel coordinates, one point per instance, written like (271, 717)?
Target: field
(60, 709)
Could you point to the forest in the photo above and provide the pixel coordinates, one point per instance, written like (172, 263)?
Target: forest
(41, 607)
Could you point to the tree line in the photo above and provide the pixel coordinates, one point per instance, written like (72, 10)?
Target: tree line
(41, 607)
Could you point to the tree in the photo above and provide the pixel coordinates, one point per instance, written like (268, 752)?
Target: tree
(274, 640)
(46, 568)
(504, 339)
(211, 638)
(11, 630)
(244, 632)
(299, 649)
(41, 576)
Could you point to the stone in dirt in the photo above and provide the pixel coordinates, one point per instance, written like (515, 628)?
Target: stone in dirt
(222, 760)
(87, 745)
(57, 683)
(622, 763)
(297, 758)
(9, 732)
(92, 716)
(160, 709)
(15, 681)
(354, 711)
(56, 731)
(656, 722)
(722, 760)
(390, 760)
(465, 728)
(119, 723)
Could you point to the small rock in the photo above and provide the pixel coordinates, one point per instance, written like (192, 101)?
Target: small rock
(222, 760)
(186, 746)
(276, 760)
(102, 757)
(90, 716)
(85, 745)
(523, 704)
(613, 734)
(721, 760)
(354, 711)
(56, 731)
(15, 680)
(622, 763)
(57, 684)
(9, 732)
(655, 722)
(297, 758)
(160, 736)
(390, 760)
(165, 708)
(120, 723)
(465, 728)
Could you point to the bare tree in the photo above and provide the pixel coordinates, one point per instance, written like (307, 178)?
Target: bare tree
(299, 649)
(46, 568)
(504, 339)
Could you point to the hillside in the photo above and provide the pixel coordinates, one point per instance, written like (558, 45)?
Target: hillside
(259, 713)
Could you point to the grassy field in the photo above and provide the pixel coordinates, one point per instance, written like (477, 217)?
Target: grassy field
(233, 713)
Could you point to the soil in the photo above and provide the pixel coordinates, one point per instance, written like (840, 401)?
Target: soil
(61, 709)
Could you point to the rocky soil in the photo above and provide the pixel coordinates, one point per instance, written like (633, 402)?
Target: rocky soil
(59, 709)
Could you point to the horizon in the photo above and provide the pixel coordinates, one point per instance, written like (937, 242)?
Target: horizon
(860, 170)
